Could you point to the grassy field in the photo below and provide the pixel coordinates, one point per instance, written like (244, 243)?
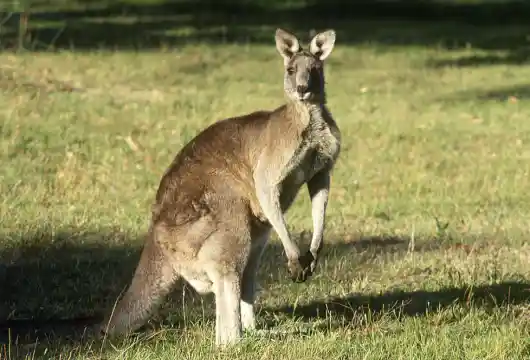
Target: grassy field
(426, 249)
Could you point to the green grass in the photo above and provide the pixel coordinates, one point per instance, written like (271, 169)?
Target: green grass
(426, 248)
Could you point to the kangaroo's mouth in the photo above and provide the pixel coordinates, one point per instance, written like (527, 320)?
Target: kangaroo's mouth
(305, 96)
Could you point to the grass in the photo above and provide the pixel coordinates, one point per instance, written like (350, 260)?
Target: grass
(426, 248)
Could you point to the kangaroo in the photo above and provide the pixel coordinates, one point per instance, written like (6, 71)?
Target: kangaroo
(228, 188)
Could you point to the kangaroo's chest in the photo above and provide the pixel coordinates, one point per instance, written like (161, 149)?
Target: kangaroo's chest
(319, 149)
(323, 147)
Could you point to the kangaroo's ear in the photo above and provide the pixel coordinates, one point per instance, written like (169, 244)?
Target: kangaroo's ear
(322, 44)
(286, 43)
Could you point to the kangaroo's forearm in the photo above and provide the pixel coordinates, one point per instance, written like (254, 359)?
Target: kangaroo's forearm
(269, 199)
(318, 188)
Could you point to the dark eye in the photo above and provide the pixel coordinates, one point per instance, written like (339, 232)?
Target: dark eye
(290, 71)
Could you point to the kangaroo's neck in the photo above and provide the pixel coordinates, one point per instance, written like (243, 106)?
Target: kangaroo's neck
(303, 113)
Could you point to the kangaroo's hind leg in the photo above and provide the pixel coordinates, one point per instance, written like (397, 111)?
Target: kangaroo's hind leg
(224, 257)
(227, 289)
(248, 285)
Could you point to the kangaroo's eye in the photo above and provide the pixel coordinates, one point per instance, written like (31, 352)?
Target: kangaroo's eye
(290, 71)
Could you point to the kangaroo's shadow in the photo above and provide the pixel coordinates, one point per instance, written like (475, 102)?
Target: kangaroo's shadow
(354, 308)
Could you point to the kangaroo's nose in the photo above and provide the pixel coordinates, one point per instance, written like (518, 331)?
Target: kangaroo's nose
(301, 89)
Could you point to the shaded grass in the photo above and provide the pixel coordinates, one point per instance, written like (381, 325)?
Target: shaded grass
(143, 25)
(427, 253)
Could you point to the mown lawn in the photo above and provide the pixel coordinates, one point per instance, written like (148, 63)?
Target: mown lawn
(426, 250)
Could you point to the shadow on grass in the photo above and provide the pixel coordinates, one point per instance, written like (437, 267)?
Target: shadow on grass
(58, 285)
(151, 25)
(511, 94)
(519, 56)
(356, 308)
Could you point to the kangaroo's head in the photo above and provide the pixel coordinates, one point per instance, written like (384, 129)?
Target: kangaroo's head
(304, 70)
